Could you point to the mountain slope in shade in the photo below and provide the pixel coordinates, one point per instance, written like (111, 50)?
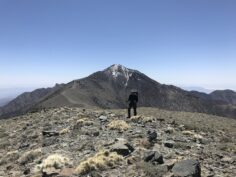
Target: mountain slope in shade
(4, 101)
(110, 89)
(228, 96)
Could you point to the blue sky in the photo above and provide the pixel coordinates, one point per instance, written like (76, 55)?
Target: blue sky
(180, 42)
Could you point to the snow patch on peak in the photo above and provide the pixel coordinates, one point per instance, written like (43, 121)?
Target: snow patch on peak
(119, 70)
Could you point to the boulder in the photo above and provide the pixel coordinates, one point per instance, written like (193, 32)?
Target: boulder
(152, 136)
(187, 168)
(153, 156)
(122, 148)
(103, 118)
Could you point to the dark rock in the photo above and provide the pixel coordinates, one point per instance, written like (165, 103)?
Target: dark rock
(169, 144)
(50, 133)
(24, 145)
(122, 148)
(205, 141)
(187, 168)
(183, 146)
(44, 174)
(96, 133)
(26, 171)
(49, 141)
(152, 136)
(160, 119)
(153, 156)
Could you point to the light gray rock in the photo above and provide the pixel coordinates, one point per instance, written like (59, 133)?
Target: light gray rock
(103, 118)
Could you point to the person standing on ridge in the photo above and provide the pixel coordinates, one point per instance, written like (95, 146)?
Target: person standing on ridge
(133, 100)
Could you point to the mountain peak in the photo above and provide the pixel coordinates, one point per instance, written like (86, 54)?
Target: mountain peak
(119, 71)
(117, 67)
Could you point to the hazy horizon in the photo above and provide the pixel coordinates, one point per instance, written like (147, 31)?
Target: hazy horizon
(12, 92)
(184, 43)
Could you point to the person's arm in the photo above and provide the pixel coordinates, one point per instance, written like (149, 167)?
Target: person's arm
(129, 99)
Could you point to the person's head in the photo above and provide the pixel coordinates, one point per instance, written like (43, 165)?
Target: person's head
(134, 92)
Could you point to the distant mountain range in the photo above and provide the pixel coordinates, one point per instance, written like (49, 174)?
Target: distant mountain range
(110, 89)
(199, 89)
(4, 101)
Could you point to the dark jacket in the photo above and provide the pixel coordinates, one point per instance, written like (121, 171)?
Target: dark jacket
(133, 98)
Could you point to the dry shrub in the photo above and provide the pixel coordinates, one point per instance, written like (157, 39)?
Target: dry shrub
(65, 131)
(9, 157)
(188, 133)
(56, 161)
(142, 119)
(84, 122)
(30, 156)
(101, 161)
(118, 125)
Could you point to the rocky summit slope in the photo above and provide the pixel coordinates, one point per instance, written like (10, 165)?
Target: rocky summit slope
(68, 142)
(110, 89)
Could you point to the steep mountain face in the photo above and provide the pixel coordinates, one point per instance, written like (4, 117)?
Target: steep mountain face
(110, 88)
(228, 96)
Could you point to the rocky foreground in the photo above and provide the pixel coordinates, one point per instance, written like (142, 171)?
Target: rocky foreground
(68, 142)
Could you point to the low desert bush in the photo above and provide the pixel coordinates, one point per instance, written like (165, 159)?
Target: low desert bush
(56, 161)
(65, 131)
(9, 157)
(30, 156)
(101, 161)
(84, 122)
(142, 119)
(118, 125)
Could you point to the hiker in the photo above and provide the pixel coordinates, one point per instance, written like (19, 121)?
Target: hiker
(133, 100)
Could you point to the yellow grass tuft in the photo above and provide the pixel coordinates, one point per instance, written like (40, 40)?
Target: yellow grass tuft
(9, 157)
(56, 161)
(188, 133)
(30, 156)
(118, 125)
(101, 161)
(65, 131)
(142, 119)
(84, 122)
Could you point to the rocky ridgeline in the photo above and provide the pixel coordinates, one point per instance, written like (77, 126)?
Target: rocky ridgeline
(67, 142)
